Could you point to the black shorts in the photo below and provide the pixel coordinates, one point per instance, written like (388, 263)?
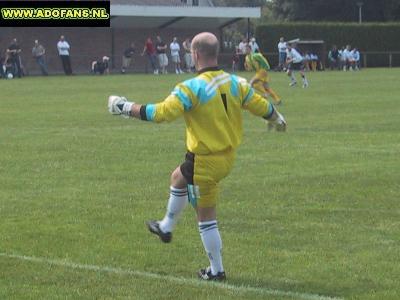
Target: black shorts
(296, 66)
(187, 167)
(99, 68)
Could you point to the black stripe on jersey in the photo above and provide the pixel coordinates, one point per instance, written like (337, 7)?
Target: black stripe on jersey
(143, 115)
(266, 117)
(223, 96)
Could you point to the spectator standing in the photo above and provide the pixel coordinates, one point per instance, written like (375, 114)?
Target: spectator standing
(235, 59)
(356, 56)
(13, 53)
(127, 57)
(314, 61)
(254, 46)
(282, 47)
(188, 56)
(342, 58)
(307, 61)
(38, 52)
(242, 53)
(175, 49)
(161, 49)
(333, 57)
(63, 51)
(2, 67)
(347, 58)
(151, 54)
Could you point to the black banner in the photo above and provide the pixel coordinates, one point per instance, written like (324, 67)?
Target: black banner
(54, 13)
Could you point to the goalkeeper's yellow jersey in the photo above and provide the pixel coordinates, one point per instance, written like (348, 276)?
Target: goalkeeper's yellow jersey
(211, 105)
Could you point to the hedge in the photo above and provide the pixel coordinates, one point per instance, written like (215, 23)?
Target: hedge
(367, 37)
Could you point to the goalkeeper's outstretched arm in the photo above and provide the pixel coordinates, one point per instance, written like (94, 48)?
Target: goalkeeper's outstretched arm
(121, 106)
(168, 110)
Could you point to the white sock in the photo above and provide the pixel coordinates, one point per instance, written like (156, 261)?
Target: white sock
(178, 198)
(292, 78)
(212, 244)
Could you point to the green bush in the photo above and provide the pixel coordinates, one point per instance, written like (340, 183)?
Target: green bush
(367, 37)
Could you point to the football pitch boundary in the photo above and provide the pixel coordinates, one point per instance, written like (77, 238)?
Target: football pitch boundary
(179, 280)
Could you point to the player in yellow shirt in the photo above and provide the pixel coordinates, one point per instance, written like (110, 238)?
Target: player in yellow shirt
(211, 105)
(260, 82)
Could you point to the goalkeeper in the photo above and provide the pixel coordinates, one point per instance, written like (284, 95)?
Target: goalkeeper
(211, 104)
(260, 82)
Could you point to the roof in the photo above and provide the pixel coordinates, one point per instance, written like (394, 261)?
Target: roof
(300, 41)
(154, 16)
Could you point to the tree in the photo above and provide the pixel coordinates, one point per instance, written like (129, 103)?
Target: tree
(336, 10)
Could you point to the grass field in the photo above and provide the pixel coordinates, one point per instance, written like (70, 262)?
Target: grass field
(309, 214)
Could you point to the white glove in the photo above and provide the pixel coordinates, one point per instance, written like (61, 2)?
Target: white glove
(119, 106)
(279, 123)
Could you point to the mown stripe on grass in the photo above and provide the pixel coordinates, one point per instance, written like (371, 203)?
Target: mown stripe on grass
(178, 280)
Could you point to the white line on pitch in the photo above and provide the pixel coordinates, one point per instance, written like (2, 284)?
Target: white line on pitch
(178, 280)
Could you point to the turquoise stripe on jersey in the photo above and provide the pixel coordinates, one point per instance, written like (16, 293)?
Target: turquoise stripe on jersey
(150, 112)
(234, 86)
(270, 111)
(248, 96)
(183, 98)
(198, 88)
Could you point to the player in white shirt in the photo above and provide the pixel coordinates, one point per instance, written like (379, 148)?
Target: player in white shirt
(347, 58)
(356, 56)
(175, 48)
(254, 46)
(282, 47)
(294, 61)
(63, 51)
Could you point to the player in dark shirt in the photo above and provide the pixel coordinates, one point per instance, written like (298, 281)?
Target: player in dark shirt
(13, 52)
(161, 50)
(127, 57)
(101, 66)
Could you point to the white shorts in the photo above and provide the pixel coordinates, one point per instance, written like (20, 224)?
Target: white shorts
(176, 59)
(188, 60)
(163, 59)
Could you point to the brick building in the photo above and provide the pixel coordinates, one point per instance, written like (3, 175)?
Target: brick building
(131, 21)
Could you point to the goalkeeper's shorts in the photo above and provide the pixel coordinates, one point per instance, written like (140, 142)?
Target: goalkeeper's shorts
(203, 174)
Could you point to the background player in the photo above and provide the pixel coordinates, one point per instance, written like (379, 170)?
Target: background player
(211, 105)
(294, 61)
(260, 82)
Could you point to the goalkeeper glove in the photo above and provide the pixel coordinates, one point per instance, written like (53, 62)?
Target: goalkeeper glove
(119, 106)
(279, 123)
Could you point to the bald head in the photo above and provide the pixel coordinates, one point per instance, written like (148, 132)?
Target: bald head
(206, 45)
